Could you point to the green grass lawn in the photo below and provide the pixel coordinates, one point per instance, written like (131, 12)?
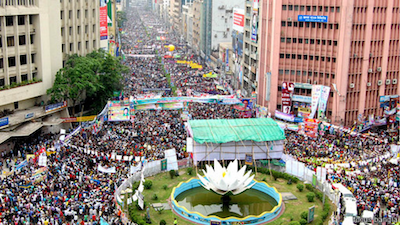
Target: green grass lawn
(293, 208)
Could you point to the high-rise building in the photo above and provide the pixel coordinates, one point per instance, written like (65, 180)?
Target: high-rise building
(349, 46)
(79, 27)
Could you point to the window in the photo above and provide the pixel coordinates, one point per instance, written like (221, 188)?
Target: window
(333, 60)
(295, 24)
(10, 41)
(335, 43)
(293, 56)
(70, 14)
(21, 20)
(9, 21)
(312, 41)
(78, 13)
(290, 7)
(61, 14)
(94, 43)
(2, 82)
(296, 8)
(22, 59)
(94, 28)
(328, 59)
(283, 24)
(327, 76)
(333, 76)
(320, 8)
(294, 40)
(298, 56)
(331, 26)
(298, 74)
(279, 107)
(21, 39)
(319, 25)
(70, 31)
(318, 42)
(323, 42)
(338, 9)
(31, 37)
(24, 77)
(71, 46)
(15, 105)
(314, 8)
(34, 75)
(332, 9)
(93, 13)
(11, 61)
(86, 13)
(13, 79)
(292, 72)
(326, 9)
(86, 29)
(337, 26)
(280, 72)
(33, 58)
(284, 7)
(313, 25)
(300, 40)
(306, 40)
(322, 58)
(30, 19)
(79, 30)
(62, 31)
(307, 24)
(288, 56)
(288, 40)
(308, 8)
(316, 58)
(304, 73)
(282, 40)
(287, 72)
(302, 8)
(87, 44)
(325, 25)
(305, 57)
(79, 46)
(329, 42)
(289, 24)
(301, 24)
(310, 75)
(63, 47)
(1, 63)
(311, 57)
(281, 56)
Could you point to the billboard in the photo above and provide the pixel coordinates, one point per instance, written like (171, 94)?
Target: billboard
(118, 111)
(109, 13)
(55, 107)
(238, 20)
(254, 21)
(310, 18)
(323, 101)
(315, 95)
(287, 90)
(103, 22)
(4, 121)
(237, 44)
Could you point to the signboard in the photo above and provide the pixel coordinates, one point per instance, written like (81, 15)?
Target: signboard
(78, 119)
(287, 90)
(314, 180)
(103, 22)
(118, 111)
(301, 98)
(215, 222)
(386, 98)
(238, 20)
(249, 159)
(303, 85)
(323, 101)
(55, 107)
(311, 212)
(163, 164)
(311, 18)
(315, 95)
(29, 115)
(109, 13)
(311, 127)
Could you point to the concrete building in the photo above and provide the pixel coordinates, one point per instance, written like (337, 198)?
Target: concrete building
(352, 44)
(187, 22)
(197, 9)
(79, 27)
(250, 48)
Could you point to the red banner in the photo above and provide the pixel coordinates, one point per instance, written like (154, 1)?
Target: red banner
(103, 23)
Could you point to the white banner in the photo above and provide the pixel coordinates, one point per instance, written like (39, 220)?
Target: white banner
(323, 101)
(43, 159)
(172, 162)
(106, 170)
(315, 95)
(135, 169)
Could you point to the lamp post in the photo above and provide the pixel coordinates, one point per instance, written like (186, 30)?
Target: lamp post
(336, 102)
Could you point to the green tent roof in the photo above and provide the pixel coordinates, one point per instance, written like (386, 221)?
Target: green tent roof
(222, 131)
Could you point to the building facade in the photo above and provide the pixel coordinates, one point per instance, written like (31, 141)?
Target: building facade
(349, 46)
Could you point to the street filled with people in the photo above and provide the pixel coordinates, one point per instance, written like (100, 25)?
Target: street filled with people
(74, 189)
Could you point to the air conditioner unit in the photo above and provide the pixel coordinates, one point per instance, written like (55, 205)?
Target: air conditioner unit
(289, 19)
(394, 81)
(352, 85)
(315, 82)
(387, 81)
(308, 81)
(369, 84)
(380, 82)
(369, 70)
(379, 69)
(215, 35)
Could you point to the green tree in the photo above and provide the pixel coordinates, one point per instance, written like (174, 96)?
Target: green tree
(121, 18)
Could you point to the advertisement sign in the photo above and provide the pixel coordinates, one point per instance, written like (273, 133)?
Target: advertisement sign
(237, 44)
(311, 212)
(287, 90)
(311, 18)
(386, 98)
(255, 5)
(118, 111)
(160, 106)
(4, 121)
(303, 85)
(29, 115)
(301, 98)
(55, 107)
(315, 95)
(311, 127)
(249, 160)
(109, 13)
(246, 105)
(238, 20)
(284, 116)
(103, 22)
(323, 101)
(227, 59)
(254, 27)
(78, 119)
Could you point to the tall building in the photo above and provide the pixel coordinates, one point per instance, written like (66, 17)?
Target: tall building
(250, 41)
(349, 46)
(79, 27)
(30, 51)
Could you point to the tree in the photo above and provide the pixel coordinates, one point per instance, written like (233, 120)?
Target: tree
(121, 18)
(74, 80)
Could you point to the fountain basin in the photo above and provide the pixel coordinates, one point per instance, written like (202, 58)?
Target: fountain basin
(257, 205)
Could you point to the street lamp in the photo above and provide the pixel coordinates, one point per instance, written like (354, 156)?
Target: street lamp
(337, 91)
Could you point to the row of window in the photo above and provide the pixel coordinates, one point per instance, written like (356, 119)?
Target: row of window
(308, 7)
(23, 60)
(310, 24)
(78, 14)
(78, 30)
(24, 77)
(21, 40)
(304, 73)
(20, 20)
(308, 41)
(71, 46)
(307, 57)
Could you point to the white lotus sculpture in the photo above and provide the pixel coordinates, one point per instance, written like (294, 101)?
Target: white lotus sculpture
(224, 181)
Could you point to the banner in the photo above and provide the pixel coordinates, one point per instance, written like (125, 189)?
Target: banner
(21, 165)
(103, 22)
(39, 175)
(78, 119)
(163, 164)
(4, 121)
(210, 75)
(55, 107)
(118, 111)
(160, 106)
(254, 21)
(106, 170)
(315, 95)
(43, 159)
(249, 160)
(323, 101)
(311, 127)
(238, 20)
(109, 13)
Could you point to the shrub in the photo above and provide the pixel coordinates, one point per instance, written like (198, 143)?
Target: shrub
(319, 195)
(310, 196)
(303, 221)
(172, 174)
(300, 187)
(148, 184)
(189, 171)
(327, 206)
(295, 179)
(309, 187)
(294, 223)
(320, 222)
(141, 222)
(304, 215)
(165, 187)
(324, 215)
(155, 197)
(264, 179)
(162, 222)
